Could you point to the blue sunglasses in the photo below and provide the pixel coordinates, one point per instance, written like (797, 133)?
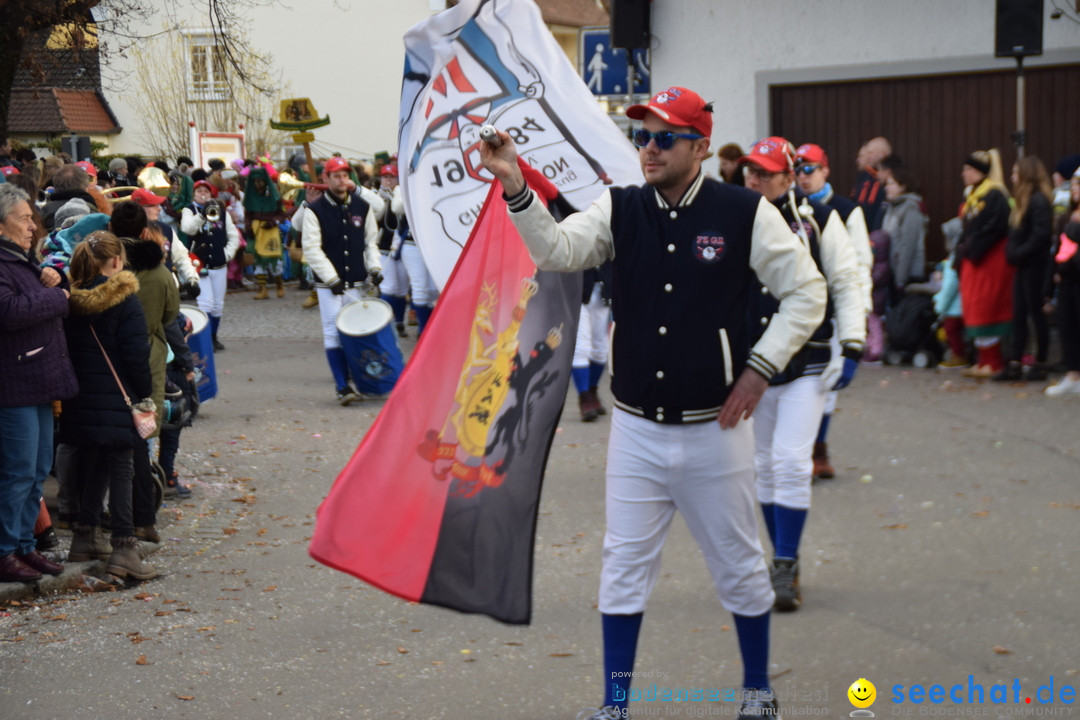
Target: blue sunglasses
(664, 138)
(807, 169)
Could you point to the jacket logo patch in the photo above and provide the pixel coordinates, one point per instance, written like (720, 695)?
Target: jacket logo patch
(357, 221)
(806, 226)
(709, 247)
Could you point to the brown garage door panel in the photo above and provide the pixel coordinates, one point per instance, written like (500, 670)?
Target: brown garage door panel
(933, 123)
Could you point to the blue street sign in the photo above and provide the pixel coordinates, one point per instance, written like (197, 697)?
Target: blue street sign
(603, 68)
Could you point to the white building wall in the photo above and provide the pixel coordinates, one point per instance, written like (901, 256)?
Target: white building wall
(730, 51)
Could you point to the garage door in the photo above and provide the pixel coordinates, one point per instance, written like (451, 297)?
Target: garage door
(933, 122)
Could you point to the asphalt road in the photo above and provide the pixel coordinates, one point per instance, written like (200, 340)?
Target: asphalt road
(946, 548)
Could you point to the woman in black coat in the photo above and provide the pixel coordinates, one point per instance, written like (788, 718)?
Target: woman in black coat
(1028, 250)
(105, 310)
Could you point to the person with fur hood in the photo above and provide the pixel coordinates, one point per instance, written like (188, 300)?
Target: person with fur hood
(106, 326)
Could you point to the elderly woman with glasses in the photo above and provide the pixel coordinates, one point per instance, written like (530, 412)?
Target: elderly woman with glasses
(34, 371)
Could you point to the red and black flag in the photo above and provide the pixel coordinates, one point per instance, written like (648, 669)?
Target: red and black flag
(439, 502)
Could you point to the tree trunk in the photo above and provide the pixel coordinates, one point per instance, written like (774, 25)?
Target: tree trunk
(11, 44)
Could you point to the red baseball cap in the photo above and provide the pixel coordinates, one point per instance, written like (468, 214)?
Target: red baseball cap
(145, 197)
(9, 170)
(389, 170)
(334, 164)
(773, 154)
(677, 106)
(88, 168)
(813, 154)
(207, 185)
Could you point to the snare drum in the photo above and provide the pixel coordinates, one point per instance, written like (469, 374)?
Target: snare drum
(375, 361)
(201, 345)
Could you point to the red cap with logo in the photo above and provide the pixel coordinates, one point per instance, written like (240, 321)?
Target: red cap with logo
(773, 154)
(145, 197)
(813, 154)
(677, 106)
(389, 170)
(88, 168)
(334, 164)
(9, 170)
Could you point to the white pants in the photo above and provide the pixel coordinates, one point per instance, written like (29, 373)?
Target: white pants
(395, 278)
(212, 288)
(705, 473)
(592, 331)
(786, 424)
(329, 307)
(423, 287)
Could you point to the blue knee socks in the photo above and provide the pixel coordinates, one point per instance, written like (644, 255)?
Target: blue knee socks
(397, 304)
(215, 320)
(423, 312)
(823, 429)
(339, 367)
(789, 527)
(581, 378)
(754, 646)
(768, 512)
(620, 646)
(595, 371)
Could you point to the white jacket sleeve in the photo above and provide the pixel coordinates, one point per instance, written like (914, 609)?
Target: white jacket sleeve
(232, 238)
(583, 240)
(784, 265)
(372, 198)
(181, 263)
(298, 218)
(372, 256)
(397, 202)
(864, 256)
(190, 222)
(842, 273)
(313, 251)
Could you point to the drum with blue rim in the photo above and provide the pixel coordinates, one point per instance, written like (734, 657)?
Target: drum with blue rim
(370, 345)
(201, 344)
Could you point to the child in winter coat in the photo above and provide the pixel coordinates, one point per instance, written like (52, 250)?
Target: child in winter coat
(947, 302)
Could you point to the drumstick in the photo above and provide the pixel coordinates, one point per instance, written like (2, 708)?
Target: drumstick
(490, 136)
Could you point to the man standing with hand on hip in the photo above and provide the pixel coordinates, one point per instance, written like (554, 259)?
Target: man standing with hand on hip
(684, 251)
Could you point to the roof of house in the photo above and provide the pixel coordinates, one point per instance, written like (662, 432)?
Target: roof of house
(56, 110)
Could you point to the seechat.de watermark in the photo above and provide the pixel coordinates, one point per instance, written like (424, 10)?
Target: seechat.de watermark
(1053, 698)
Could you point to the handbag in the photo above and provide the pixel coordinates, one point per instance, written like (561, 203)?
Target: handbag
(145, 419)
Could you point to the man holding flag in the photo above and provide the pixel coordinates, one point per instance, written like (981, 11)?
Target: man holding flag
(684, 251)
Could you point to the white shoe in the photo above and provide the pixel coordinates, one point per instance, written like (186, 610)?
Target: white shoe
(1065, 387)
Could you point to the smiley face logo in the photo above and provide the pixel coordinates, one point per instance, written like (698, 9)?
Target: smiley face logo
(862, 693)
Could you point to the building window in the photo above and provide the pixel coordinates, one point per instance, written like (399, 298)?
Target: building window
(207, 77)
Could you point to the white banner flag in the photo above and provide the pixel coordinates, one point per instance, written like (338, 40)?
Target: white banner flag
(494, 61)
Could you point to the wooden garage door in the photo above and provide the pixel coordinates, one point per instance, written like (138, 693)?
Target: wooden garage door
(933, 122)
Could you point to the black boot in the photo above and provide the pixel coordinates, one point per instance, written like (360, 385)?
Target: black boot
(217, 343)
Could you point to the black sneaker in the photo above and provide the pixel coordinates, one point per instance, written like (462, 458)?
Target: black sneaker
(785, 582)
(401, 333)
(46, 539)
(1035, 373)
(347, 395)
(1012, 372)
(758, 705)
